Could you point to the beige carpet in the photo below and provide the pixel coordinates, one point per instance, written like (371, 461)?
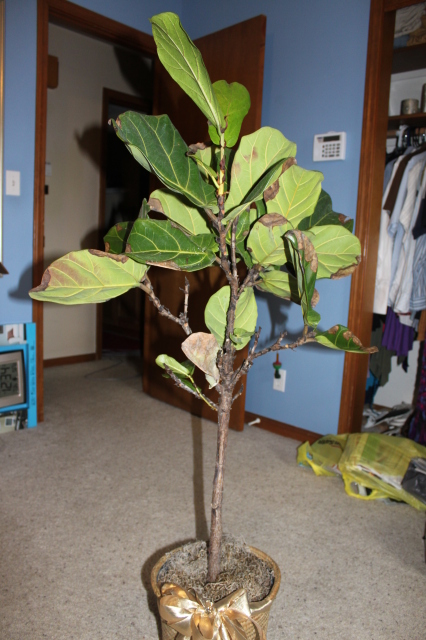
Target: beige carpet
(112, 478)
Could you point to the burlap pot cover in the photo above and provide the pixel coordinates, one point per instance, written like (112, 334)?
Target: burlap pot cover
(261, 616)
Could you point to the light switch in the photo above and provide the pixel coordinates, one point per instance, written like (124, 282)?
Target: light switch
(13, 183)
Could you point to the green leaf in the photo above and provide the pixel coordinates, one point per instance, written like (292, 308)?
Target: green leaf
(241, 337)
(265, 242)
(297, 194)
(185, 369)
(258, 153)
(144, 210)
(201, 349)
(179, 210)
(185, 64)
(339, 337)
(234, 100)
(205, 169)
(88, 276)
(157, 242)
(164, 149)
(257, 192)
(338, 251)
(215, 315)
(116, 238)
(324, 215)
(281, 284)
(305, 264)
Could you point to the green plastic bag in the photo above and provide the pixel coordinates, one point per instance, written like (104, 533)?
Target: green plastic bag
(377, 463)
(372, 465)
(322, 456)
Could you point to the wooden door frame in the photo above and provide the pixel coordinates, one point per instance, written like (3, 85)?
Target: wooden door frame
(72, 16)
(372, 164)
(126, 100)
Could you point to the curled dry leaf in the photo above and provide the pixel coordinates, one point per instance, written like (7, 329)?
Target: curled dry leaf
(198, 146)
(272, 220)
(272, 190)
(305, 245)
(155, 205)
(201, 349)
(315, 298)
(346, 271)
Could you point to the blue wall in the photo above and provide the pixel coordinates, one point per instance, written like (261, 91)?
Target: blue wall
(314, 82)
(314, 76)
(19, 134)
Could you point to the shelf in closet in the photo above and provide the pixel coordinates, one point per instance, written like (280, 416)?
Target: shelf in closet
(409, 58)
(412, 119)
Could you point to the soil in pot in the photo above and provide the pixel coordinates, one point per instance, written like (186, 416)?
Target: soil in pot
(187, 567)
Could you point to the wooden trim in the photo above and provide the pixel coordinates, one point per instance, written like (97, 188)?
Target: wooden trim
(68, 14)
(282, 429)
(52, 72)
(394, 5)
(373, 145)
(73, 16)
(39, 175)
(56, 362)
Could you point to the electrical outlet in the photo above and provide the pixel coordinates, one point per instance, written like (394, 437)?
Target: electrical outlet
(279, 383)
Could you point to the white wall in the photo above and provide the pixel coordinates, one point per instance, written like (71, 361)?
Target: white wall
(74, 113)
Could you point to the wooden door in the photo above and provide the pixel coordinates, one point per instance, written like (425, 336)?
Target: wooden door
(235, 54)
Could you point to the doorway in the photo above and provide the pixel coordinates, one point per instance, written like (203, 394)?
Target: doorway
(83, 21)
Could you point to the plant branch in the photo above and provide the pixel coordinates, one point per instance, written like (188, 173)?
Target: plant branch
(195, 392)
(237, 395)
(233, 243)
(182, 320)
(251, 278)
(277, 346)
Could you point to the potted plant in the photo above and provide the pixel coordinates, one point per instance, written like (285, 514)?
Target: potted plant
(257, 215)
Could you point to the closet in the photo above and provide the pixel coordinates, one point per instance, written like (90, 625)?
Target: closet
(369, 202)
(400, 291)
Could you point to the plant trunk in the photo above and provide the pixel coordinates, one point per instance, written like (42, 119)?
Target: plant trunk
(224, 412)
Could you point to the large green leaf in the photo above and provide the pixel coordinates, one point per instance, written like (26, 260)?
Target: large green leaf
(179, 210)
(215, 316)
(265, 242)
(297, 194)
(87, 276)
(305, 264)
(281, 284)
(158, 242)
(323, 214)
(185, 64)
(164, 149)
(116, 238)
(338, 251)
(258, 152)
(234, 100)
(339, 337)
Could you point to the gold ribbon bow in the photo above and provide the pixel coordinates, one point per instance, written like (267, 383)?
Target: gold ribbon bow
(195, 619)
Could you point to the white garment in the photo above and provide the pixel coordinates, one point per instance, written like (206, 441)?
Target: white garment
(400, 290)
(408, 19)
(384, 256)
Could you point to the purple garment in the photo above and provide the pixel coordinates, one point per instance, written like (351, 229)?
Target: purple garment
(417, 426)
(396, 336)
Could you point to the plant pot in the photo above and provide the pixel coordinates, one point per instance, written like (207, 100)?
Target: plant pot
(260, 610)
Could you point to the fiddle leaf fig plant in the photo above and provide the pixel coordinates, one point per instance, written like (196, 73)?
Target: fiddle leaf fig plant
(252, 211)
